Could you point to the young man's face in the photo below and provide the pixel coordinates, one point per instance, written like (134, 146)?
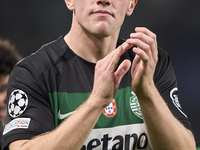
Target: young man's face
(101, 17)
(3, 91)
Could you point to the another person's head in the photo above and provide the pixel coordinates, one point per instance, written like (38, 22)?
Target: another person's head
(8, 58)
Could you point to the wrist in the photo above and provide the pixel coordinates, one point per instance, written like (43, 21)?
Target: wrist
(96, 103)
(147, 92)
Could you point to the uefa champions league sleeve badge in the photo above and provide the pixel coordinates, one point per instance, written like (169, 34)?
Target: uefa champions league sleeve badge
(17, 104)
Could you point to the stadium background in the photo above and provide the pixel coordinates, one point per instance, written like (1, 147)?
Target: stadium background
(30, 24)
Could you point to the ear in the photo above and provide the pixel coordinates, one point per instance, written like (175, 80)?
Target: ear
(70, 4)
(131, 7)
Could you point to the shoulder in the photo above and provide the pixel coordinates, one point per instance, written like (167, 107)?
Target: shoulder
(162, 53)
(46, 57)
(163, 60)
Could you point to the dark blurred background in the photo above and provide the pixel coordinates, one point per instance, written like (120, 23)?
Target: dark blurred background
(30, 24)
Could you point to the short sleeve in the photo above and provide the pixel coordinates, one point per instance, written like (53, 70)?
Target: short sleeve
(166, 83)
(29, 111)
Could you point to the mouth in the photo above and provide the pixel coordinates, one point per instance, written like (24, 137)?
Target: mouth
(102, 13)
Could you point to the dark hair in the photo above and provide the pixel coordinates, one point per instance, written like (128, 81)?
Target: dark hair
(8, 57)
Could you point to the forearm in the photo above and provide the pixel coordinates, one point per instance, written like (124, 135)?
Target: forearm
(71, 134)
(163, 129)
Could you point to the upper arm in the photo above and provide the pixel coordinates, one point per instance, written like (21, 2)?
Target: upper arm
(166, 83)
(30, 119)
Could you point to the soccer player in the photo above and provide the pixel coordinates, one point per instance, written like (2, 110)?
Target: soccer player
(91, 90)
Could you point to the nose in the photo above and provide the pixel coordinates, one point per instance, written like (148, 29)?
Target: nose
(103, 2)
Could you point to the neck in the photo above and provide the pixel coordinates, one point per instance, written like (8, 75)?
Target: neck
(88, 46)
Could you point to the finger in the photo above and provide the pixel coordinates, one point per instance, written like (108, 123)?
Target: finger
(141, 44)
(135, 64)
(126, 46)
(122, 70)
(145, 38)
(149, 44)
(143, 56)
(110, 61)
(114, 59)
(152, 42)
(146, 31)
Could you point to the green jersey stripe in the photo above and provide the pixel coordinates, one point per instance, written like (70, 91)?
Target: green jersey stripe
(64, 103)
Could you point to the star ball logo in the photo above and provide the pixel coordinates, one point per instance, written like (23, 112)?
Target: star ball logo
(111, 109)
(17, 104)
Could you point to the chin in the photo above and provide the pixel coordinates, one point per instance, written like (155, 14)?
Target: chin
(101, 35)
(103, 28)
(100, 30)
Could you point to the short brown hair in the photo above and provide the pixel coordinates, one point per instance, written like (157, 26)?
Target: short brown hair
(8, 56)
